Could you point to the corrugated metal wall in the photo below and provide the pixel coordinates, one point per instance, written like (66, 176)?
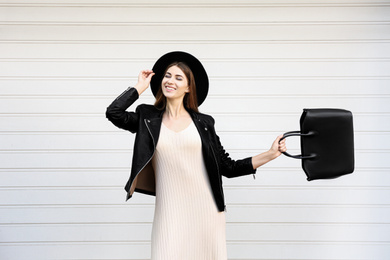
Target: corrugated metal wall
(63, 165)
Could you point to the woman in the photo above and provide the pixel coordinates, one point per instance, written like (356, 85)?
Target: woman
(178, 158)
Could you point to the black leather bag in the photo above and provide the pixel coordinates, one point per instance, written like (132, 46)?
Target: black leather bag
(327, 143)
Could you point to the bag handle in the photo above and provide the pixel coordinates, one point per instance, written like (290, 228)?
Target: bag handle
(298, 133)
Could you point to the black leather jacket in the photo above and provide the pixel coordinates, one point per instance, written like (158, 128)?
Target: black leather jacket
(146, 122)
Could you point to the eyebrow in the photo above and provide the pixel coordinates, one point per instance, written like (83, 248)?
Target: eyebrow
(180, 75)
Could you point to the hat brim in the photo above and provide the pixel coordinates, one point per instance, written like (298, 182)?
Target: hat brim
(200, 75)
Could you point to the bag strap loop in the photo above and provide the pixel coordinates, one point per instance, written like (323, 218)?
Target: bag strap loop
(298, 133)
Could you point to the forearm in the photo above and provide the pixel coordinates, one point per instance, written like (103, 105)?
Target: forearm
(263, 158)
(140, 87)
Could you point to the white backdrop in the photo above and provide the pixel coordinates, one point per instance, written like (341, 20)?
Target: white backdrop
(63, 165)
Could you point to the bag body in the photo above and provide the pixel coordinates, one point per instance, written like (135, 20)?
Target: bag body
(327, 143)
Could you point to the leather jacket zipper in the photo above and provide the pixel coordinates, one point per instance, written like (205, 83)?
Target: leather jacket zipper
(123, 93)
(154, 150)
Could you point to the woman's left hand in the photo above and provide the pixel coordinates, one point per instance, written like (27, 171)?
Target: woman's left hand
(278, 147)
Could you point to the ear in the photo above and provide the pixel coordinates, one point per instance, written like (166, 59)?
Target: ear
(188, 90)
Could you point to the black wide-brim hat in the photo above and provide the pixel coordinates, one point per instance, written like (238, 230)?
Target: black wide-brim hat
(200, 75)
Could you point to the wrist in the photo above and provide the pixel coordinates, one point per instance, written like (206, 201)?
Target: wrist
(262, 158)
(140, 88)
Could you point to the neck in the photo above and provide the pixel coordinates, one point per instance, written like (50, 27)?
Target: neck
(175, 108)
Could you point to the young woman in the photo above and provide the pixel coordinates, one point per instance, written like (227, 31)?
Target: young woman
(179, 159)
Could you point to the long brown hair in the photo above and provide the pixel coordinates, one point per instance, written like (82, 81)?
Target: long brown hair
(190, 100)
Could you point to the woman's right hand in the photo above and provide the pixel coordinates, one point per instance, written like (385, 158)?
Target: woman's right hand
(144, 78)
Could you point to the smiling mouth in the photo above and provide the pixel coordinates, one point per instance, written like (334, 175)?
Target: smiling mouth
(170, 88)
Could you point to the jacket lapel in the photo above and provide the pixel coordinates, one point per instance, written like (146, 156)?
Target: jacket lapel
(202, 129)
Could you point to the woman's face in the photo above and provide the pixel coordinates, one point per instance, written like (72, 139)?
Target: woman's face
(174, 84)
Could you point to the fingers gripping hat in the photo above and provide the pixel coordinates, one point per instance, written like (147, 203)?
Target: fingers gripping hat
(200, 75)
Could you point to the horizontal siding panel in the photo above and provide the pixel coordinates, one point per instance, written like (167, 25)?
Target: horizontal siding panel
(308, 232)
(316, 213)
(266, 177)
(262, 87)
(197, 32)
(235, 69)
(124, 141)
(66, 177)
(237, 250)
(234, 232)
(114, 159)
(234, 195)
(239, 104)
(135, 14)
(76, 233)
(349, 196)
(307, 250)
(264, 121)
(132, 212)
(218, 50)
(77, 251)
(120, 212)
(274, 3)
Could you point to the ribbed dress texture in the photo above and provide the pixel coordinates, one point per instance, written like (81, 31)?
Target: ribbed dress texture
(187, 224)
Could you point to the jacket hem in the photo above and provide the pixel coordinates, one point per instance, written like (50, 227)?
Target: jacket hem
(151, 193)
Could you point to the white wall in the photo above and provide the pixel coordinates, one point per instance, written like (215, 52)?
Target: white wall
(63, 165)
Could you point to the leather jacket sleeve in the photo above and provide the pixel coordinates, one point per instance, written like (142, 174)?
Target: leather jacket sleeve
(117, 114)
(234, 168)
(231, 168)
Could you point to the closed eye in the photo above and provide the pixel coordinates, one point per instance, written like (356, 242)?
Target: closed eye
(169, 75)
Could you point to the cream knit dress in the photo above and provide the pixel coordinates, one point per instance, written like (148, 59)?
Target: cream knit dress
(187, 224)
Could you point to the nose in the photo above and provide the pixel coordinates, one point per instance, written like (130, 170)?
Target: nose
(169, 81)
